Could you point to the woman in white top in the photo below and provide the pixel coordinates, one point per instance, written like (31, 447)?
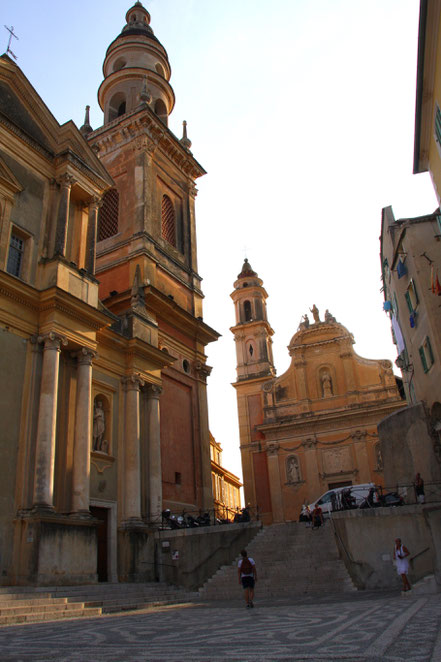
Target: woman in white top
(400, 555)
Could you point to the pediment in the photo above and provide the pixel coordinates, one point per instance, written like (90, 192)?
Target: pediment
(9, 184)
(24, 113)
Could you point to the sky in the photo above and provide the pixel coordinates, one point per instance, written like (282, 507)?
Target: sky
(302, 112)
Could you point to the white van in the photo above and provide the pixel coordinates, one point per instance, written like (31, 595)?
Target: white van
(331, 500)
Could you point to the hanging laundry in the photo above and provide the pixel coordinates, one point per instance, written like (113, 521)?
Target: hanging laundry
(401, 269)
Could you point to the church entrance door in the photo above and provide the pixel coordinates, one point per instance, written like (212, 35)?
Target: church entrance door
(101, 514)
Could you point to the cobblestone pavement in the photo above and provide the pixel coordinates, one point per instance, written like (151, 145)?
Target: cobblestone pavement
(358, 627)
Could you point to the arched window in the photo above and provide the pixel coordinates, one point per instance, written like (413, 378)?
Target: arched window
(168, 221)
(108, 215)
(159, 70)
(161, 110)
(119, 64)
(117, 106)
(247, 311)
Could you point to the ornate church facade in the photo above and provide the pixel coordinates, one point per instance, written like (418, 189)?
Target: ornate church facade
(314, 427)
(103, 401)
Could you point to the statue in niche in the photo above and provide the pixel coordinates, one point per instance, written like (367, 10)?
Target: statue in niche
(326, 385)
(292, 470)
(315, 313)
(379, 457)
(329, 317)
(99, 428)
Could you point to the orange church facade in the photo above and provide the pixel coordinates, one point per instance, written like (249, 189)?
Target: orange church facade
(314, 427)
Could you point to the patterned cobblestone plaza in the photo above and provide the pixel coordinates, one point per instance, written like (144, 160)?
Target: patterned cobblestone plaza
(364, 627)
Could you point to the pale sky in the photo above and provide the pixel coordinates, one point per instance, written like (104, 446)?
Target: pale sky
(301, 111)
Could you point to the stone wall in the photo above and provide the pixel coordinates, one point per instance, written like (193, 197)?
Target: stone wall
(408, 447)
(366, 542)
(188, 557)
(55, 551)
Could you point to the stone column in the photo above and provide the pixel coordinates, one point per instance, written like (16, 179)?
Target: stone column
(132, 460)
(91, 235)
(272, 451)
(47, 419)
(154, 453)
(203, 372)
(83, 426)
(66, 183)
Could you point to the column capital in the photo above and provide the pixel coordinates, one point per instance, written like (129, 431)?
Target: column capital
(85, 356)
(52, 340)
(203, 370)
(309, 443)
(133, 382)
(95, 203)
(65, 180)
(153, 390)
(272, 447)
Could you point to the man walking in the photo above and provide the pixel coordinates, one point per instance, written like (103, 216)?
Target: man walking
(246, 570)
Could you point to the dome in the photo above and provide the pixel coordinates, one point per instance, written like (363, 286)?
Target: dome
(135, 55)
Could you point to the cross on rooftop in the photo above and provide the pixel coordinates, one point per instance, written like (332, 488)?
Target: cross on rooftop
(11, 34)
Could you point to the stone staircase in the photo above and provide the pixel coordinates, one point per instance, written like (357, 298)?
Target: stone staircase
(36, 604)
(291, 559)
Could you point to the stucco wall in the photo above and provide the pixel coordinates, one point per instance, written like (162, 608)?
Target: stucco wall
(12, 366)
(199, 553)
(408, 447)
(366, 541)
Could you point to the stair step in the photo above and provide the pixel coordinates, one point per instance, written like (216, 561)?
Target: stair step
(290, 558)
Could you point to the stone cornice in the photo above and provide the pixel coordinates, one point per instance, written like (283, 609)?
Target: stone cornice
(144, 250)
(370, 413)
(172, 313)
(59, 301)
(143, 130)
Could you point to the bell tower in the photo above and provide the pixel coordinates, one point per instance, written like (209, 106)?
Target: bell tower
(255, 368)
(146, 260)
(252, 332)
(134, 57)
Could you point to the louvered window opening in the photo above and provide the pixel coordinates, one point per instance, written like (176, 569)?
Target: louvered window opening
(438, 125)
(108, 215)
(168, 227)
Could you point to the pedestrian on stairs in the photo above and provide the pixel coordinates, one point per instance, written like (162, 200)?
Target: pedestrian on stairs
(402, 564)
(317, 517)
(246, 570)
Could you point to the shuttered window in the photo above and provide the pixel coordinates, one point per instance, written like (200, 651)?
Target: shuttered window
(438, 125)
(168, 222)
(108, 215)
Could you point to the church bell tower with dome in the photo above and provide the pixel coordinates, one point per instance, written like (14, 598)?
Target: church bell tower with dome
(146, 260)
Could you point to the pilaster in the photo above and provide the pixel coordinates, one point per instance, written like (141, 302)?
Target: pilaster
(66, 182)
(83, 427)
(153, 393)
(272, 451)
(132, 463)
(47, 419)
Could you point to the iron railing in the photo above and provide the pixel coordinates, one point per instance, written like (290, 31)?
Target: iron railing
(189, 519)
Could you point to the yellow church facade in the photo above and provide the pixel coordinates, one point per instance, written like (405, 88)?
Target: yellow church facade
(103, 392)
(314, 427)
